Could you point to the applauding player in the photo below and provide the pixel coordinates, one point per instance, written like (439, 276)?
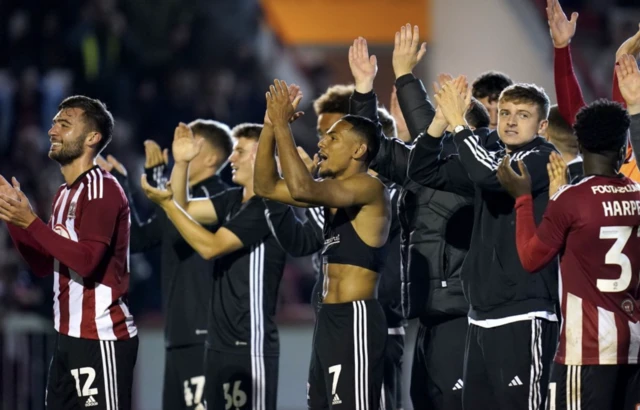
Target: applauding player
(593, 225)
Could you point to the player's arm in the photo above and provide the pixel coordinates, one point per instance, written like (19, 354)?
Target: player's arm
(414, 102)
(628, 76)
(568, 91)
(296, 237)
(267, 182)
(99, 217)
(537, 247)
(185, 147)
(38, 259)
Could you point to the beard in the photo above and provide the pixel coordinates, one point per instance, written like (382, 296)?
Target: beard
(68, 152)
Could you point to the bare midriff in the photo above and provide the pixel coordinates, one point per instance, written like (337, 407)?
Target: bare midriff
(347, 283)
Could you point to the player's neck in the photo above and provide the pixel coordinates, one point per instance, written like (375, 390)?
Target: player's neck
(71, 172)
(599, 165)
(204, 176)
(247, 192)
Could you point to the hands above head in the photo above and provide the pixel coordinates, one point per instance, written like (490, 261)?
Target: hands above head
(295, 96)
(160, 196)
(562, 29)
(557, 171)
(154, 155)
(282, 103)
(185, 146)
(443, 78)
(14, 204)
(453, 100)
(516, 185)
(630, 46)
(363, 67)
(407, 50)
(629, 82)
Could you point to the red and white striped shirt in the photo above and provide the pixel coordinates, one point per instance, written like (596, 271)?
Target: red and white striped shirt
(594, 224)
(93, 306)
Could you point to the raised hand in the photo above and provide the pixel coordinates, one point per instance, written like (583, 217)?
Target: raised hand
(562, 29)
(395, 111)
(363, 67)
(452, 103)
(154, 155)
(557, 171)
(516, 185)
(280, 105)
(185, 146)
(159, 196)
(295, 96)
(443, 78)
(629, 82)
(630, 46)
(407, 50)
(7, 190)
(15, 208)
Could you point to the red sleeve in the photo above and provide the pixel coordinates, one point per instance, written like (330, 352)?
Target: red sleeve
(38, 259)
(100, 213)
(534, 253)
(568, 91)
(83, 256)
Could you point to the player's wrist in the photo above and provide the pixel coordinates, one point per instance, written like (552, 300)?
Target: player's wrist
(633, 109)
(364, 86)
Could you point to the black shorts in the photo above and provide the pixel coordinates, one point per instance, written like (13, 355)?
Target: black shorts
(610, 387)
(184, 378)
(91, 374)
(347, 367)
(240, 381)
(392, 383)
(438, 360)
(507, 367)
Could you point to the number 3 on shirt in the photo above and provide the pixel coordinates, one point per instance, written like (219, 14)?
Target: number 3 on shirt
(615, 257)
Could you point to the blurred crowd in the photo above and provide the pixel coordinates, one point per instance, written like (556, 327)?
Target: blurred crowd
(154, 64)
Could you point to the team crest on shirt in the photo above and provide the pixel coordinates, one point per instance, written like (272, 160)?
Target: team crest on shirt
(62, 231)
(72, 211)
(628, 306)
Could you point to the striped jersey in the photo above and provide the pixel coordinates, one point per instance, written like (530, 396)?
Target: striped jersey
(95, 208)
(245, 282)
(594, 223)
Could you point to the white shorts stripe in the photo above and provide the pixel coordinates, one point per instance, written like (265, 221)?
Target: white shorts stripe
(535, 396)
(383, 404)
(256, 278)
(105, 376)
(356, 356)
(114, 374)
(366, 353)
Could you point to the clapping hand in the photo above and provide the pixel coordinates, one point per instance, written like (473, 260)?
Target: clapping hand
(295, 96)
(629, 82)
(14, 204)
(516, 185)
(281, 106)
(160, 196)
(557, 171)
(185, 146)
(453, 100)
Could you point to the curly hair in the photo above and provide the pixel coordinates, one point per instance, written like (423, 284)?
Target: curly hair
(602, 127)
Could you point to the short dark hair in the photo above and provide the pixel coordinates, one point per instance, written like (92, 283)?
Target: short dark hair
(334, 100)
(96, 116)
(528, 94)
(367, 130)
(247, 130)
(388, 123)
(560, 133)
(216, 133)
(477, 115)
(602, 127)
(490, 84)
